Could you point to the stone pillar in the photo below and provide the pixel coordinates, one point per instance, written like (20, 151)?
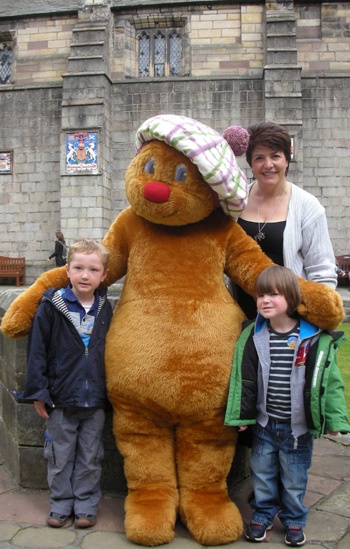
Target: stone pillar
(86, 120)
(282, 78)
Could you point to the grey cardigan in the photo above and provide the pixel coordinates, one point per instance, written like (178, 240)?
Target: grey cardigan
(307, 248)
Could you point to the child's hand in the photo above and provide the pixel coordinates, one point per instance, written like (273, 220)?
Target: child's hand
(332, 433)
(40, 408)
(242, 428)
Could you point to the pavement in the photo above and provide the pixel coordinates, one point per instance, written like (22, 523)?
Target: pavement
(23, 512)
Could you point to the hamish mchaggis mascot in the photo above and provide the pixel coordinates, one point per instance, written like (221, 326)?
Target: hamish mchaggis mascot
(169, 348)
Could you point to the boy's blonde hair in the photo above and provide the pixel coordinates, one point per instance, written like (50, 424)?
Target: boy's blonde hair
(281, 280)
(88, 246)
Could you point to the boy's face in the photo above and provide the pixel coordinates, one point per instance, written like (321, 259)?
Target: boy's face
(272, 305)
(85, 272)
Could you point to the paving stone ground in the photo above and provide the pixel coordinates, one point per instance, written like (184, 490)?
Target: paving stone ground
(23, 512)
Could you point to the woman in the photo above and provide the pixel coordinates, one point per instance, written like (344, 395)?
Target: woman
(60, 252)
(287, 222)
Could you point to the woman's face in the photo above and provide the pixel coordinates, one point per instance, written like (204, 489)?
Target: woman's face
(269, 166)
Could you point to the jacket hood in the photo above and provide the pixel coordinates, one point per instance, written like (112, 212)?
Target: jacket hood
(306, 328)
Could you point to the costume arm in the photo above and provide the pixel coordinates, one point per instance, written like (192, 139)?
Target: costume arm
(245, 260)
(19, 316)
(117, 240)
(321, 305)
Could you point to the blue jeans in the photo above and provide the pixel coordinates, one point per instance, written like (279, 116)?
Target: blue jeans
(279, 469)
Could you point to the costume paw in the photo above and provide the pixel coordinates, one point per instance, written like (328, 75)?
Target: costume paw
(150, 516)
(19, 316)
(211, 517)
(321, 305)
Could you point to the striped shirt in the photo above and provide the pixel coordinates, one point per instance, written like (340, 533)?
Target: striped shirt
(282, 347)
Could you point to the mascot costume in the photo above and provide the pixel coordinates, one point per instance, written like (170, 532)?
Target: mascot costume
(170, 345)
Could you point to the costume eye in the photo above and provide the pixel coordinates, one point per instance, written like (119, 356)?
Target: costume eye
(150, 166)
(181, 173)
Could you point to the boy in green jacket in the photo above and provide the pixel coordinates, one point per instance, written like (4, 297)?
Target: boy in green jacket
(286, 383)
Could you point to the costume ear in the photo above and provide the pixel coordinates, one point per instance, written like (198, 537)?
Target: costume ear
(19, 316)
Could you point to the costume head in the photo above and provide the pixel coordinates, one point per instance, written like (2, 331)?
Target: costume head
(213, 154)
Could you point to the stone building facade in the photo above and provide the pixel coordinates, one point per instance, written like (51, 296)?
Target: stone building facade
(75, 72)
(77, 77)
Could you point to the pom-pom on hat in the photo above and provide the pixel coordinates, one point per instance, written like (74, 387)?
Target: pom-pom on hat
(208, 150)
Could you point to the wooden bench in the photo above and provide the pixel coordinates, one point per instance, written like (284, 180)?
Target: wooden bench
(13, 267)
(343, 268)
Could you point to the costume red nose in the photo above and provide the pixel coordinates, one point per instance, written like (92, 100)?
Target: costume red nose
(156, 192)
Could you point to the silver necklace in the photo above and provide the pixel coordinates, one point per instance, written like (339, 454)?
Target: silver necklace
(260, 235)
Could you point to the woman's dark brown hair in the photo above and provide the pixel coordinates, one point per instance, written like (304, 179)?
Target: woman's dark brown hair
(268, 134)
(281, 280)
(60, 237)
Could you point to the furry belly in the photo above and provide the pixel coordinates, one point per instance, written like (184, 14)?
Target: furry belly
(177, 358)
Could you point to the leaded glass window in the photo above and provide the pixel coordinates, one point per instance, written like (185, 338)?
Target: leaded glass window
(5, 64)
(174, 53)
(144, 54)
(159, 53)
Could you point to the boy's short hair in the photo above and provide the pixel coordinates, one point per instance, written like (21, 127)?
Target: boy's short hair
(282, 280)
(88, 246)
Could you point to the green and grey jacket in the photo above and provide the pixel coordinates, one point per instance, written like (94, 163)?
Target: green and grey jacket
(317, 388)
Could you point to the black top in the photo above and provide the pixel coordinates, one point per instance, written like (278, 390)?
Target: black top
(272, 246)
(58, 254)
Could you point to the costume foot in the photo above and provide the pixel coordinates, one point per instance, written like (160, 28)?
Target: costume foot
(150, 517)
(212, 518)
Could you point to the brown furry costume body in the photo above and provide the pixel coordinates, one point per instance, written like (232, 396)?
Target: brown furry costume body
(170, 346)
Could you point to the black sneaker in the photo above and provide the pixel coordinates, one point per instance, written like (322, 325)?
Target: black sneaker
(257, 532)
(295, 536)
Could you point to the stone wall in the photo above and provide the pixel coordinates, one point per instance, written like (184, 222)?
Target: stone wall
(326, 145)
(30, 196)
(43, 48)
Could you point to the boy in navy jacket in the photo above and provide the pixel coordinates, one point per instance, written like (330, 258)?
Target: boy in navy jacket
(65, 380)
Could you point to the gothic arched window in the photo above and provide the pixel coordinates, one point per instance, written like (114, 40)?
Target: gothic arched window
(159, 52)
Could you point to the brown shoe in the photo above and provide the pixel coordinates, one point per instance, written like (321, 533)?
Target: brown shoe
(56, 521)
(85, 521)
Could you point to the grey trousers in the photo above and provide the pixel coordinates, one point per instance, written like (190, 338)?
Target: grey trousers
(73, 451)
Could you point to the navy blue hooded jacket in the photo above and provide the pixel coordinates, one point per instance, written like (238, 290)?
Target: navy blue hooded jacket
(61, 370)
